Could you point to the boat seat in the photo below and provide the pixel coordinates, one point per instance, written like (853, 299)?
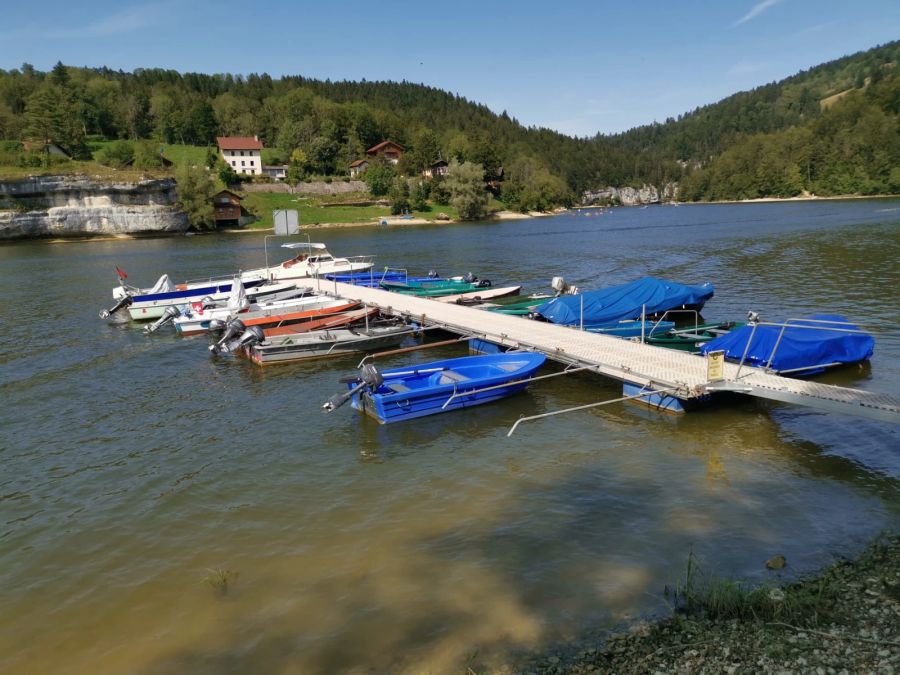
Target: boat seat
(509, 367)
(398, 388)
(449, 376)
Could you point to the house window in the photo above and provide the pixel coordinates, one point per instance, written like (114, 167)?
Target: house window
(242, 153)
(242, 162)
(233, 163)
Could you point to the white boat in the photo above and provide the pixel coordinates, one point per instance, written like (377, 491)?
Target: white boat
(481, 295)
(148, 306)
(313, 259)
(194, 321)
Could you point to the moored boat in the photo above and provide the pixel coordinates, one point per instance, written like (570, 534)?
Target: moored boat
(327, 343)
(690, 339)
(796, 347)
(313, 260)
(194, 321)
(435, 287)
(644, 297)
(439, 386)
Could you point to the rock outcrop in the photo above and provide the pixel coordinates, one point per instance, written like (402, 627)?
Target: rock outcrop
(78, 206)
(629, 196)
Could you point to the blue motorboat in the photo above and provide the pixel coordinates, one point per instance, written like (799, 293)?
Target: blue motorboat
(438, 386)
(800, 347)
(608, 306)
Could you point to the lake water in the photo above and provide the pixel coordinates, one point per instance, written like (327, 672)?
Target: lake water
(132, 466)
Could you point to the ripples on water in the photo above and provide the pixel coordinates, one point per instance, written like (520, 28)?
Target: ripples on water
(133, 465)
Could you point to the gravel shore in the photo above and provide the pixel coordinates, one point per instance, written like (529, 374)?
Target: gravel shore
(849, 622)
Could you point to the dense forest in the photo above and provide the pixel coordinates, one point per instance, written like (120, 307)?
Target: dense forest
(830, 130)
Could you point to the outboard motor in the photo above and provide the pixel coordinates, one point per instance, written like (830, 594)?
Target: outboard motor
(470, 278)
(124, 302)
(207, 302)
(752, 317)
(232, 329)
(252, 336)
(484, 283)
(368, 377)
(216, 326)
(559, 285)
(171, 312)
(432, 274)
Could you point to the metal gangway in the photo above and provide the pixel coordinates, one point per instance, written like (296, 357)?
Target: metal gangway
(680, 374)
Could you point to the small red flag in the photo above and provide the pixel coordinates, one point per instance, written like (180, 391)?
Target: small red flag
(121, 272)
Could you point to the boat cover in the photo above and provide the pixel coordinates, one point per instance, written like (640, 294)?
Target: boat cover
(237, 299)
(800, 346)
(162, 285)
(618, 303)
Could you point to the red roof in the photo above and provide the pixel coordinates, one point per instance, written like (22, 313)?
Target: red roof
(384, 145)
(239, 143)
(357, 162)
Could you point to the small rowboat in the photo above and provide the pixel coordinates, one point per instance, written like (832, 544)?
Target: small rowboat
(329, 343)
(479, 296)
(692, 338)
(436, 387)
(431, 288)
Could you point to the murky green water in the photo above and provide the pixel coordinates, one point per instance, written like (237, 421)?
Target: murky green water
(133, 465)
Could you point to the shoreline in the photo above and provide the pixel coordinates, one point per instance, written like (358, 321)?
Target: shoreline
(842, 619)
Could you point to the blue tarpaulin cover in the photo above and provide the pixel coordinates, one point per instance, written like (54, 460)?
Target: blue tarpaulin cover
(619, 303)
(799, 347)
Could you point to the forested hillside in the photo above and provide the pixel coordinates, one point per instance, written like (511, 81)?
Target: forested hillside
(833, 129)
(830, 130)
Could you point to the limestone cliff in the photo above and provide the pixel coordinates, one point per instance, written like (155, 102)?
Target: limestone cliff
(78, 206)
(629, 196)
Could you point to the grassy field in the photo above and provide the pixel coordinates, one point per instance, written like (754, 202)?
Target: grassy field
(313, 213)
(176, 153)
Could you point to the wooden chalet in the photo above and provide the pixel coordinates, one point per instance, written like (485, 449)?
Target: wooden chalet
(439, 168)
(358, 167)
(227, 207)
(387, 150)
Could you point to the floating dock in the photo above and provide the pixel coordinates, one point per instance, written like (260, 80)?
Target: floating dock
(682, 376)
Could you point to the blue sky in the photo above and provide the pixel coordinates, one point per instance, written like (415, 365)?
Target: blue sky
(578, 67)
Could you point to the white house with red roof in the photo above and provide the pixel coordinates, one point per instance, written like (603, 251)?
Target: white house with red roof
(242, 153)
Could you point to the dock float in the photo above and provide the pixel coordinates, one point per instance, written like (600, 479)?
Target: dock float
(683, 376)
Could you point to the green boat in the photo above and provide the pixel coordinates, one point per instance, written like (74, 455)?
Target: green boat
(520, 307)
(436, 288)
(689, 339)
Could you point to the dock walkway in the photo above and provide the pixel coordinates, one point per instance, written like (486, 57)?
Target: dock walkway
(633, 362)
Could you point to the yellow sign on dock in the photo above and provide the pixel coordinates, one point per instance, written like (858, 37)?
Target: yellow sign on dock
(715, 366)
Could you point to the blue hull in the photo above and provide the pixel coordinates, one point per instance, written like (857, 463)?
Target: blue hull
(425, 389)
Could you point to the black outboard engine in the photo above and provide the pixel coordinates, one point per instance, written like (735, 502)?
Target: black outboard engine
(368, 377)
(752, 317)
(232, 329)
(124, 302)
(484, 283)
(168, 316)
(432, 274)
(470, 278)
